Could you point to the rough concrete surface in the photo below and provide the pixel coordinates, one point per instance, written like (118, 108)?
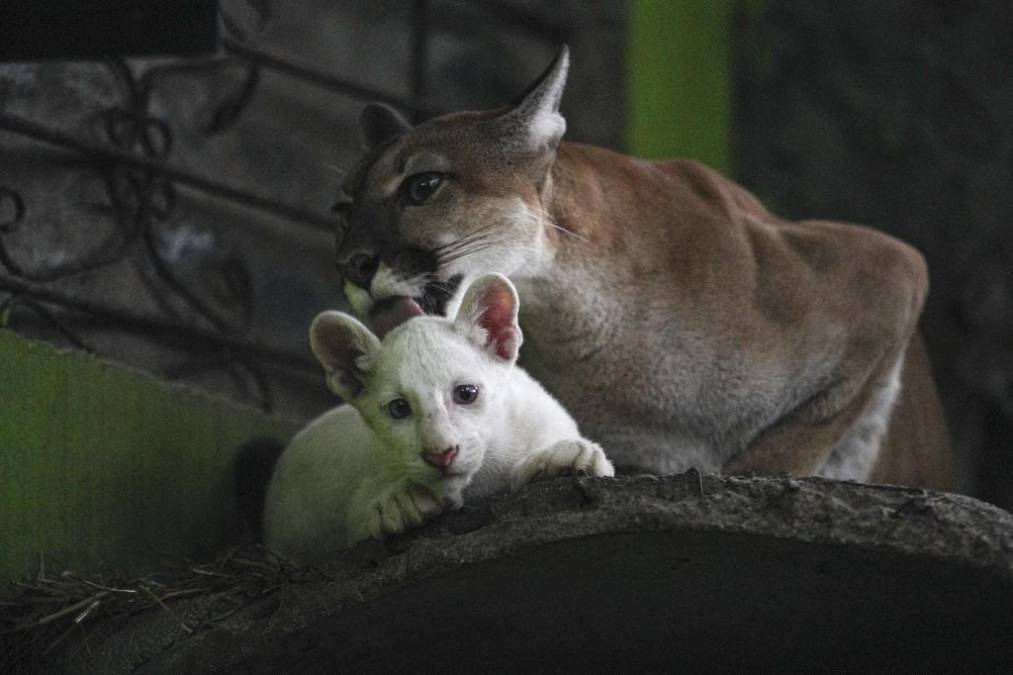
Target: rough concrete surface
(629, 573)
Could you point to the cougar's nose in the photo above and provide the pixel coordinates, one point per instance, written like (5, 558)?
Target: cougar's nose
(360, 269)
(441, 460)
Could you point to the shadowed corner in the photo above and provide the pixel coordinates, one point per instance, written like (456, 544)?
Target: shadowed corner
(254, 467)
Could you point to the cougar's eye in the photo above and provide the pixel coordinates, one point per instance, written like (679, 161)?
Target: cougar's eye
(465, 394)
(399, 408)
(421, 186)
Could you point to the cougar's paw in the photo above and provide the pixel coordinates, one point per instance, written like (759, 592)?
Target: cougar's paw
(401, 508)
(565, 457)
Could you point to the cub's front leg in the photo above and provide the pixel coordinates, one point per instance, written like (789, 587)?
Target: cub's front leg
(564, 457)
(401, 507)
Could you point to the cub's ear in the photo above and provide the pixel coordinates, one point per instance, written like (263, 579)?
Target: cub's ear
(381, 123)
(533, 123)
(488, 316)
(344, 348)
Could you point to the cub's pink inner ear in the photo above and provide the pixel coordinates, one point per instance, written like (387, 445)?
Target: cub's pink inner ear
(498, 318)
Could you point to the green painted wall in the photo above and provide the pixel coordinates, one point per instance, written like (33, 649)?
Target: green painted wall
(679, 79)
(103, 467)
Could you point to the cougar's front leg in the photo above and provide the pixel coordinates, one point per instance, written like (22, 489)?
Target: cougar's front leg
(801, 442)
(563, 457)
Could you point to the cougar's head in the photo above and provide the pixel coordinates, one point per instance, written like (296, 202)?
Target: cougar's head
(457, 196)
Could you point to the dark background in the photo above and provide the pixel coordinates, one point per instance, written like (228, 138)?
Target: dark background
(900, 115)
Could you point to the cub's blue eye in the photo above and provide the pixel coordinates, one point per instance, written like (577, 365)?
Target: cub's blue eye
(399, 408)
(420, 186)
(465, 394)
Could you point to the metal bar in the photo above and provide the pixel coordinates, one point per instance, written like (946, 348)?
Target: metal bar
(324, 80)
(8, 305)
(23, 127)
(159, 331)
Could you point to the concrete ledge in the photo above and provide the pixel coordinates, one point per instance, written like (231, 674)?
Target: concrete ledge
(635, 573)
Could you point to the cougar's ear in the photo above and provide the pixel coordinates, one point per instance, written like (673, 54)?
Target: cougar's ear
(381, 123)
(533, 123)
(344, 348)
(488, 316)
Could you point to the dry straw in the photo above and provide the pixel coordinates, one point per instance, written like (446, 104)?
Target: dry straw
(37, 615)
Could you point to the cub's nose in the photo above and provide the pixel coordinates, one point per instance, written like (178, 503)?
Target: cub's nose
(360, 269)
(441, 460)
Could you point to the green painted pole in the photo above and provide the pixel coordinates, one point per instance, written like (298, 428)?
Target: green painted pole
(106, 468)
(679, 79)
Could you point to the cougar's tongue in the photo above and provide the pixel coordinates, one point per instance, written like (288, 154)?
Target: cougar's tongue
(392, 312)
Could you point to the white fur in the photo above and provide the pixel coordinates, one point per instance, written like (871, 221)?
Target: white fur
(854, 457)
(546, 128)
(358, 298)
(386, 283)
(357, 472)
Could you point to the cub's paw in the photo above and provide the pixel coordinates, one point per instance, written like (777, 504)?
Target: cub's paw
(565, 457)
(401, 508)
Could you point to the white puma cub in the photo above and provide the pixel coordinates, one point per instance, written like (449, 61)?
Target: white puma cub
(440, 413)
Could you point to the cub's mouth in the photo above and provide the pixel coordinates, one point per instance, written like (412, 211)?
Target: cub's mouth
(389, 313)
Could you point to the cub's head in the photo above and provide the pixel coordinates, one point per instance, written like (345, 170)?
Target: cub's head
(437, 204)
(432, 389)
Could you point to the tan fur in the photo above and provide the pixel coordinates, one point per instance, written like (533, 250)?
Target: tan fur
(840, 301)
(916, 451)
(680, 322)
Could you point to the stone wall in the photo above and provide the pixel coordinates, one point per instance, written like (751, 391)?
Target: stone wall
(217, 290)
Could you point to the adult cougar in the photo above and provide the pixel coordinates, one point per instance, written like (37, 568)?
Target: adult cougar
(681, 323)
